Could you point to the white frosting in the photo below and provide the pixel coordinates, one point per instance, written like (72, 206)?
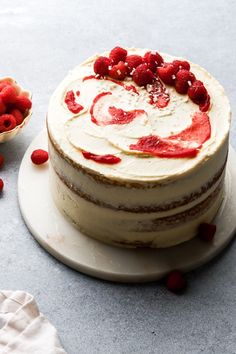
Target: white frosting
(158, 188)
(74, 133)
(119, 227)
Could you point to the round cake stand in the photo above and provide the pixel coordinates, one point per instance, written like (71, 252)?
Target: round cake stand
(62, 240)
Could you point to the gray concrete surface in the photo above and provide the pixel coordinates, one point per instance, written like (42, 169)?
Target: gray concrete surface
(40, 41)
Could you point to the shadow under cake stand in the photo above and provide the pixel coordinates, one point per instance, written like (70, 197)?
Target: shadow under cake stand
(62, 240)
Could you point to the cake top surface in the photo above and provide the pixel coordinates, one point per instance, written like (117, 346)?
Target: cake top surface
(126, 131)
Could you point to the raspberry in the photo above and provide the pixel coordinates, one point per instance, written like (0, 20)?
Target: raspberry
(2, 107)
(181, 64)
(4, 84)
(1, 160)
(8, 94)
(205, 105)
(39, 156)
(118, 54)
(1, 185)
(153, 60)
(101, 66)
(206, 232)
(119, 71)
(197, 92)
(133, 61)
(142, 75)
(167, 73)
(7, 122)
(18, 116)
(176, 282)
(22, 103)
(183, 80)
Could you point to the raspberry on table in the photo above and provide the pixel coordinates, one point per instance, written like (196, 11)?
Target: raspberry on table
(153, 60)
(142, 75)
(197, 92)
(206, 232)
(7, 122)
(22, 103)
(133, 61)
(8, 94)
(18, 115)
(1, 185)
(39, 156)
(184, 79)
(118, 54)
(167, 73)
(176, 282)
(118, 71)
(101, 66)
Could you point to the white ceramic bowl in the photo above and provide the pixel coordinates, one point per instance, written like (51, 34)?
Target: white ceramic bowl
(5, 136)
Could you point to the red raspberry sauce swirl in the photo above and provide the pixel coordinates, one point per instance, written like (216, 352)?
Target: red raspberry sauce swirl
(184, 144)
(72, 105)
(114, 115)
(106, 159)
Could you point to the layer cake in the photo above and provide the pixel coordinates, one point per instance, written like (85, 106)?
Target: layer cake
(138, 165)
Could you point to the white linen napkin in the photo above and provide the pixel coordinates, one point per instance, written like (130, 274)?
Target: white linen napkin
(23, 329)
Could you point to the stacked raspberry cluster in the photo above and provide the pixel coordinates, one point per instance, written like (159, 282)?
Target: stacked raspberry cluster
(147, 69)
(14, 105)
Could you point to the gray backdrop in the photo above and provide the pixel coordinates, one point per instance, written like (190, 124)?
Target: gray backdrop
(42, 40)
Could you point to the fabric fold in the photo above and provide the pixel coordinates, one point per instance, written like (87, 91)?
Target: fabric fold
(23, 329)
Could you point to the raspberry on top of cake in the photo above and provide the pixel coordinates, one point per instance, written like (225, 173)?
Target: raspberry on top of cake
(143, 133)
(135, 103)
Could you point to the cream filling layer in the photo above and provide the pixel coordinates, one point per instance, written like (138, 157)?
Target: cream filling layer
(124, 228)
(118, 196)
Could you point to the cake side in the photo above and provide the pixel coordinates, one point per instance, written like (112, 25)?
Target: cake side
(127, 229)
(183, 193)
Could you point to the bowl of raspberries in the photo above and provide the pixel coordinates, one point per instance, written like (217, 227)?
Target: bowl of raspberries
(15, 108)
